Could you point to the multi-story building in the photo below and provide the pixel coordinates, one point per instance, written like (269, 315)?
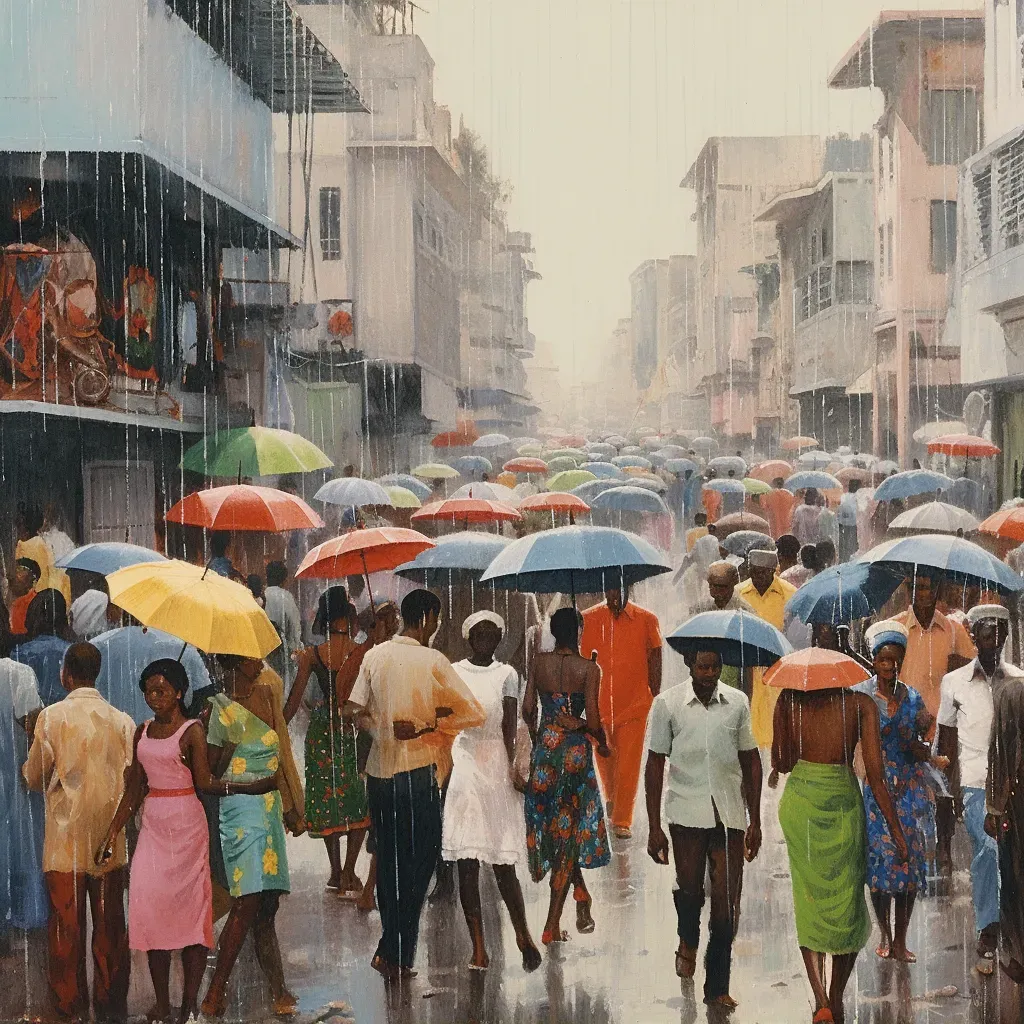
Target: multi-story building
(733, 178)
(929, 68)
(649, 300)
(825, 316)
(683, 406)
(544, 378)
(140, 241)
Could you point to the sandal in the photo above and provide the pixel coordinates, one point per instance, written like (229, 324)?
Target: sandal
(823, 1016)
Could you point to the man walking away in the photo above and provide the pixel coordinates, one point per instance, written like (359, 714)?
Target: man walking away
(283, 612)
(627, 639)
(80, 750)
(414, 702)
(704, 731)
(805, 519)
(846, 516)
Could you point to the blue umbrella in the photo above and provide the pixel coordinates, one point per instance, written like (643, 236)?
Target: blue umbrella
(845, 592)
(107, 557)
(353, 492)
(724, 463)
(744, 541)
(601, 449)
(911, 483)
(955, 557)
(457, 558)
(813, 478)
(725, 485)
(633, 461)
(467, 465)
(630, 499)
(410, 483)
(604, 470)
(592, 488)
(574, 560)
(740, 638)
(680, 466)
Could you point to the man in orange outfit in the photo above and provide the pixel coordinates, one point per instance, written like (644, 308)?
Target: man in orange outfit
(627, 640)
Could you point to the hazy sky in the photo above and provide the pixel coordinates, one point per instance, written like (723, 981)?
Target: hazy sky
(594, 109)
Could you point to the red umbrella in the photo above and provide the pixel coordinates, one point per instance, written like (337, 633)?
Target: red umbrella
(962, 444)
(244, 507)
(572, 441)
(770, 471)
(525, 465)
(816, 668)
(454, 439)
(1008, 523)
(466, 510)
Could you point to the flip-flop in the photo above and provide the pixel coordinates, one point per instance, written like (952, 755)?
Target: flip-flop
(883, 952)
(823, 1016)
(548, 937)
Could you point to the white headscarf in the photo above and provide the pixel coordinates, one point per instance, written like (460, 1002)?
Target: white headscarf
(483, 616)
(89, 614)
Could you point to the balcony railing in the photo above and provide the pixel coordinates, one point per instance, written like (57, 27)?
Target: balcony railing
(992, 187)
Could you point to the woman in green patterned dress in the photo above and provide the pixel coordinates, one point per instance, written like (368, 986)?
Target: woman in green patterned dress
(243, 748)
(336, 802)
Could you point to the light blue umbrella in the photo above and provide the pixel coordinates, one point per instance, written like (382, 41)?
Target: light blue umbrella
(467, 465)
(457, 558)
(630, 499)
(911, 483)
(604, 470)
(492, 441)
(353, 492)
(632, 461)
(574, 560)
(842, 593)
(815, 460)
(106, 557)
(410, 483)
(592, 488)
(813, 478)
(725, 485)
(953, 556)
(740, 638)
(724, 463)
(680, 465)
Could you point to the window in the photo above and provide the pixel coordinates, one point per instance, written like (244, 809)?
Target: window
(951, 118)
(330, 223)
(943, 236)
(881, 251)
(853, 281)
(889, 246)
(983, 208)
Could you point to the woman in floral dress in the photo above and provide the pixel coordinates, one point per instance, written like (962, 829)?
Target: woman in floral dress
(243, 748)
(565, 827)
(904, 723)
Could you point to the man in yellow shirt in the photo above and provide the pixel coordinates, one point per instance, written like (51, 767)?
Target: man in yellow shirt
(767, 596)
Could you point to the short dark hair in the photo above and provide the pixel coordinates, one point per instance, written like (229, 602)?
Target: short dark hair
(700, 518)
(333, 605)
(30, 565)
(82, 662)
(854, 485)
(418, 606)
(825, 550)
(565, 626)
(788, 546)
(173, 671)
(47, 614)
(809, 557)
(220, 541)
(690, 657)
(277, 573)
(255, 584)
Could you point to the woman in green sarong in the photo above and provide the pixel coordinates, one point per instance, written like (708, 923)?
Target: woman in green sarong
(822, 816)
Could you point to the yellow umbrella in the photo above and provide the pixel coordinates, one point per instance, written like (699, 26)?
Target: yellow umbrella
(402, 497)
(435, 471)
(196, 605)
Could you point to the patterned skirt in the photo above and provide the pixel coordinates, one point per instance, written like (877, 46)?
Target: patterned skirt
(335, 791)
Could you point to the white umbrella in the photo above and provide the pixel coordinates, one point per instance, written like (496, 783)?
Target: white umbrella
(934, 517)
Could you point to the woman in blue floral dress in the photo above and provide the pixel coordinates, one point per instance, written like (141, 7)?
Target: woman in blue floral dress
(905, 722)
(565, 826)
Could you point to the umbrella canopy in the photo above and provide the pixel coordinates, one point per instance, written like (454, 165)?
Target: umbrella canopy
(435, 471)
(562, 452)
(600, 450)
(353, 492)
(934, 517)
(679, 466)
(1007, 522)
(651, 443)
(812, 478)
(723, 465)
(708, 444)
(525, 464)
(519, 442)
(911, 483)
(363, 551)
(937, 429)
(531, 450)
(816, 668)
(569, 480)
(506, 480)
(466, 510)
(409, 482)
(603, 470)
(774, 469)
(962, 444)
(637, 478)
(755, 486)
(211, 612)
(593, 488)
(254, 451)
(736, 521)
(630, 499)
(108, 556)
(489, 492)
(492, 441)
(454, 439)
(848, 473)
(457, 558)
(562, 463)
(884, 467)
(798, 443)
(631, 449)
(554, 501)
(574, 560)
(467, 465)
(814, 460)
(953, 556)
(744, 541)
(740, 638)
(244, 507)
(673, 451)
(616, 439)
(725, 485)
(633, 461)
(842, 593)
(402, 497)
(572, 440)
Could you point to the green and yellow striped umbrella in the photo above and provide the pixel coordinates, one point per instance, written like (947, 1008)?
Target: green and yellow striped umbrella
(254, 451)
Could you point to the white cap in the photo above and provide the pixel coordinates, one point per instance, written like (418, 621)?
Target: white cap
(762, 559)
(485, 616)
(981, 612)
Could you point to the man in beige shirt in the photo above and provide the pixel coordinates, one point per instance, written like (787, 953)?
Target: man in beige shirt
(413, 702)
(80, 750)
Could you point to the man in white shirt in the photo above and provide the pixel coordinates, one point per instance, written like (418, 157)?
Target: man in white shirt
(805, 519)
(283, 612)
(704, 731)
(846, 517)
(966, 700)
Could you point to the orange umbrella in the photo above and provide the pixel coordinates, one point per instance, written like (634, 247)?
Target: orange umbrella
(572, 441)
(506, 480)
(363, 551)
(454, 439)
(962, 444)
(848, 473)
(554, 501)
(466, 510)
(1008, 523)
(770, 471)
(794, 444)
(816, 668)
(244, 507)
(525, 465)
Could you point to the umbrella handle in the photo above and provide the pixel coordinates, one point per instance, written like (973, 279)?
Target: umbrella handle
(366, 573)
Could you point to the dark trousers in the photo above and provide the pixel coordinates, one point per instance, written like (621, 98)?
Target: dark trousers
(719, 851)
(70, 894)
(406, 815)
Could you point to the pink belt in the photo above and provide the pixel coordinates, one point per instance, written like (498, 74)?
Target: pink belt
(172, 792)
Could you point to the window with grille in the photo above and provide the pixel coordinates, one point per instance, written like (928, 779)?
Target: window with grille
(1011, 194)
(853, 281)
(983, 207)
(952, 124)
(943, 236)
(330, 223)
(889, 247)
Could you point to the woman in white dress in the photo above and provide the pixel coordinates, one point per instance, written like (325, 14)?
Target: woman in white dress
(483, 812)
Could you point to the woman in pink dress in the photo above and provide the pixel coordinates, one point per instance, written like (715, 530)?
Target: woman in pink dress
(170, 902)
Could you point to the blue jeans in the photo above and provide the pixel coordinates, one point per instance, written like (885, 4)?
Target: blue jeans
(985, 863)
